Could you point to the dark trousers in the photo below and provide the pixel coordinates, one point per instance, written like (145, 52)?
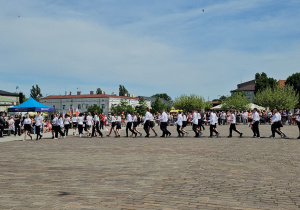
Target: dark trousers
(38, 131)
(58, 130)
(179, 131)
(212, 128)
(128, 127)
(67, 129)
(17, 130)
(96, 127)
(1, 130)
(102, 125)
(274, 127)
(256, 129)
(233, 128)
(80, 129)
(200, 124)
(195, 129)
(163, 127)
(146, 127)
(299, 128)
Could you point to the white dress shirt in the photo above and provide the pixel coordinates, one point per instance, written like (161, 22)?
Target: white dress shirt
(147, 116)
(195, 118)
(213, 119)
(38, 120)
(129, 118)
(55, 121)
(179, 120)
(255, 117)
(184, 118)
(232, 118)
(89, 119)
(276, 118)
(163, 117)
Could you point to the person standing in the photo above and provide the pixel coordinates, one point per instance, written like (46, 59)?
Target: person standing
(195, 123)
(60, 126)
(255, 123)
(18, 125)
(96, 125)
(129, 125)
(2, 123)
(164, 123)
(66, 124)
(232, 127)
(135, 124)
(27, 127)
(102, 118)
(179, 123)
(38, 124)
(147, 122)
(213, 120)
(118, 124)
(88, 124)
(184, 124)
(74, 124)
(113, 125)
(276, 125)
(80, 124)
(152, 124)
(298, 122)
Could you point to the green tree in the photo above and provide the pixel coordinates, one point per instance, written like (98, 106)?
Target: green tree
(21, 94)
(94, 108)
(35, 92)
(189, 103)
(158, 105)
(239, 101)
(122, 90)
(163, 95)
(294, 81)
(141, 108)
(98, 91)
(263, 82)
(277, 98)
(123, 106)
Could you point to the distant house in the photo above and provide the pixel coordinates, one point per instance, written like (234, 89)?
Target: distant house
(247, 87)
(281, 83)
(8, 99)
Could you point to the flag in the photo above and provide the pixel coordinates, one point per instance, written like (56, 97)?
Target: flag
(77, 112)
(107, 129)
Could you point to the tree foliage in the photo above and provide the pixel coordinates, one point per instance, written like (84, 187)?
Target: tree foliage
(163, 95)
(263, 82)
(277, 98)
(123, 106)
(239, 101)
(94, 108)
(189, 103)
(35, 93)
(294, 81)
(122, 90)
(158, 105)
(141, 108)
(99, 91)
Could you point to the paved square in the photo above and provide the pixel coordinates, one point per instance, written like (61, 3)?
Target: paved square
(153, 173)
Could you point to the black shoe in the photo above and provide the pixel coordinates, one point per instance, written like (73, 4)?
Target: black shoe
(298, 137)
(229, 136)
(107, 135)
(162, 136)
(155, 135)
(210, 137)
(41, 136)
(147, 136)
(241, 135)
(135, 135)
(218, 135)
(141, 134)
(169, 134)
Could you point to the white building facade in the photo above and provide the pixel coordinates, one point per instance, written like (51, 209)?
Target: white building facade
(65, 103)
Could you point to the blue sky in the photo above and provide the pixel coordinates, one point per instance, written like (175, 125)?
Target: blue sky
(150, 47)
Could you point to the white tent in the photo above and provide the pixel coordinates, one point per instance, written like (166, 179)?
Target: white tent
(251, 105)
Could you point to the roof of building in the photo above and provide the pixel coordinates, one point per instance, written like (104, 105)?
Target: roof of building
(250, 87)
(87, 96)
(5, 93)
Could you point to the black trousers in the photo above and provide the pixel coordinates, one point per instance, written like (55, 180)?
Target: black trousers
(299, 128)
(96, 127)
(233, 128)
(200, 124)
(1, 130)
(128, 127)
(38, 131)
(212, 128)
(18, 129)
(80, 129)
(146, 126)
(256, 129)
(195, 129)
(274, 128)
(57, 130)
(163, 127)
(67, 129)
(102, 125)
(179, 131)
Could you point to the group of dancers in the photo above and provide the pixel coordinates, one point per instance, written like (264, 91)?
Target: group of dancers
(91, 124)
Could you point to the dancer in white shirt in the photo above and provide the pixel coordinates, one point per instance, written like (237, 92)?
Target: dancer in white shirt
(232, 121)
(27, 127)
(298, 122)
(74, 124)
(255, 123)
(67, 124)
(179, 123)
(89, 123)
(113, 125)
(135, 124)
(213, 120)
(147, 122)
(152, 124)
(276, 125)
(164, 123)
(38, 125)
(129, 125)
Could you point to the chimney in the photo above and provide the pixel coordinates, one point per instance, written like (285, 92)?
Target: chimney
(113, 93)
(91, 92)
(66, 93)
(79, 93)
(70, 93)
(102, 92)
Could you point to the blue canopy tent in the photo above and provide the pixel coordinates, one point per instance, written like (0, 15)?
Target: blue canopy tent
(31, 105)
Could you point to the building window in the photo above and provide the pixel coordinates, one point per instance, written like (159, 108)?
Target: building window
(103, 106)
(64, 106)
(86, 106)
(79, 106)
(54, 106)
(71, 106)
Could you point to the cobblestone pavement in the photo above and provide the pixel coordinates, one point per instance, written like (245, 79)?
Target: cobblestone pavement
(152, 173)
